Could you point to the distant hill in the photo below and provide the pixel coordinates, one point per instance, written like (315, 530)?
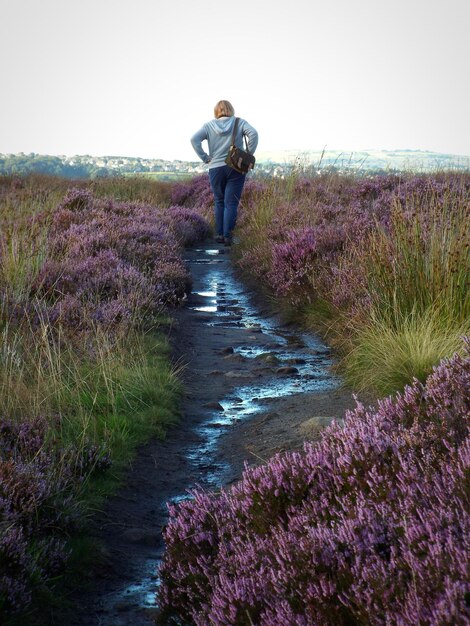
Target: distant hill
(274, 163)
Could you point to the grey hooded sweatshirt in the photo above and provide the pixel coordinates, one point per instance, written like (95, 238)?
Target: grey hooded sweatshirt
(218, 133)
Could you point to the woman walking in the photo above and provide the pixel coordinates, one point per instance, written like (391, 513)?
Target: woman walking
(226, 182)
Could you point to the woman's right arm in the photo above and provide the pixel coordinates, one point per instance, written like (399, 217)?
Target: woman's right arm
(196, 142)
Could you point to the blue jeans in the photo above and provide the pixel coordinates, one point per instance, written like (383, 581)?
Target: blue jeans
(227, 186)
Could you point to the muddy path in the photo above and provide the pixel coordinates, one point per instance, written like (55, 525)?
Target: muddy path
(252, 387)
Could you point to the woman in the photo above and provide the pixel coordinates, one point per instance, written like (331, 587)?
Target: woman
(226, 183)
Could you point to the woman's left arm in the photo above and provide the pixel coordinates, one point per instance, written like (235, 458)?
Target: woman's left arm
(252, 136)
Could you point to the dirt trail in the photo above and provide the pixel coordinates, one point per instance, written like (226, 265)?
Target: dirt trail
(253, 387)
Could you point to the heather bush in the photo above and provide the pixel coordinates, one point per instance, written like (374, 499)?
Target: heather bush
(39, 483)
(293, 263)
(115, 262)
(369, 525)
(81, 291)
(192, 193)
(188, 226)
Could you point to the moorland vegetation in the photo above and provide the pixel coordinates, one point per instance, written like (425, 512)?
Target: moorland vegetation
(366, 526)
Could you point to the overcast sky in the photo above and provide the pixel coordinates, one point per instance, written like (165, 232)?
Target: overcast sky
(138, 78)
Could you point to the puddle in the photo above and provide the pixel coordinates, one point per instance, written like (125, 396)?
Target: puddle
(208, 252)
(205, 294)
(205, 309)
(146, 598)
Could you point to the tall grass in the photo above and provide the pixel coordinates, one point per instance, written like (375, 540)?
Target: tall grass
(115, 392)
(23, 255)
(420, 262)
(385, 355)
(133, 189)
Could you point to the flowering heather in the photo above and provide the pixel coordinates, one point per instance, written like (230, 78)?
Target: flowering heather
(187, 225)
(115, 262)
(38, 484)
(369, 525)
(343, 213)
(293, 263)
(76, 200)
(194, 193)
(80, 292)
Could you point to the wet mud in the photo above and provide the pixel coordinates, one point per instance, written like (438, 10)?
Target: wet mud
(253, 386)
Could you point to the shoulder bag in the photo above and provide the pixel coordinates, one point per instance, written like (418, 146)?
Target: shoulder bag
(237, 158)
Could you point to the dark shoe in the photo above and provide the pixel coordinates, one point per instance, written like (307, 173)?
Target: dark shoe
(227, 241)
(219, 239)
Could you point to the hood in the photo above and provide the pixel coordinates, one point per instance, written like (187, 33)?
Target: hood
(222, 126)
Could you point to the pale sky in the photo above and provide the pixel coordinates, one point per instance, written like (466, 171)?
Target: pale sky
(139, 77)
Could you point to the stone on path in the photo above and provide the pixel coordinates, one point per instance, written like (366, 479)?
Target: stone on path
(312, 427)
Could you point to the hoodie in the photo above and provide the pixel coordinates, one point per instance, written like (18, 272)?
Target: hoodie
(218, 133)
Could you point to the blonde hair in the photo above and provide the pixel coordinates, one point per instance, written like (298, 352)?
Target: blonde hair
(223, 108)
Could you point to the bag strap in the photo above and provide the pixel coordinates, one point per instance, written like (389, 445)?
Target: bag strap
(234, 132)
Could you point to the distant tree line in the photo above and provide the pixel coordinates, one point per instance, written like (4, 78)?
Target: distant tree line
(22, 164)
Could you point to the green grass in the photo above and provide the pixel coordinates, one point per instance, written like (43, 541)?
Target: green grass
(118, 391)
(385, 357)
(118, 394)
(127, 395)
